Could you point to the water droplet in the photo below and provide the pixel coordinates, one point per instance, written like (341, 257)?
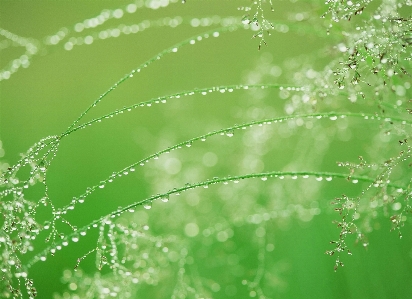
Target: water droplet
(147, 205)
(229, 133)
(46, 225)
(165, 198)
(246, 21)
(264, 178)
(75, 238)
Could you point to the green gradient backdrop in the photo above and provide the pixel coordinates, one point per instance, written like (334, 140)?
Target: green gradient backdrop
(48, 96)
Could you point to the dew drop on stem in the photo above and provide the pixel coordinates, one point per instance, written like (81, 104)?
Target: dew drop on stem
(147, 205)
(229, 133)
(165, 198)
(75, 238)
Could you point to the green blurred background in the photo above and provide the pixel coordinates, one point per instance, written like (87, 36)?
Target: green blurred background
(59, 85)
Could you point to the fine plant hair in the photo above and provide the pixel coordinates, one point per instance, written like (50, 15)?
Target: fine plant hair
(298, 143)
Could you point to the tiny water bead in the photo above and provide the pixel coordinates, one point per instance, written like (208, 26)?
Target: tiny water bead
(147, 205)
(230, 133)
(75, 238)
(164, 198)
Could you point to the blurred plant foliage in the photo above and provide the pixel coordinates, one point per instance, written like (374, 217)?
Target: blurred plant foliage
(320, 137)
